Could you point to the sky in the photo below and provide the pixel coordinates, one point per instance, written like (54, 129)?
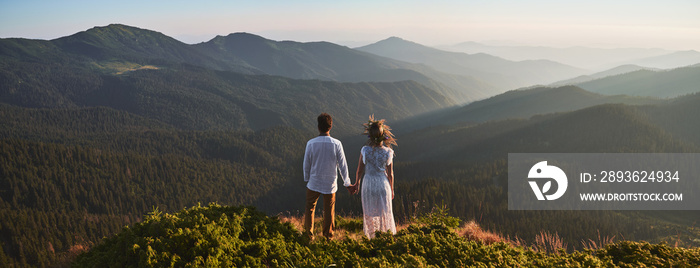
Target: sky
(668, 24)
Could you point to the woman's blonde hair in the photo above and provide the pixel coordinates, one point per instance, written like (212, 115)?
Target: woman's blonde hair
(378, 133)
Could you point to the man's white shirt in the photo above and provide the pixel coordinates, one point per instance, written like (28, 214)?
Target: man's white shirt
(323, 158)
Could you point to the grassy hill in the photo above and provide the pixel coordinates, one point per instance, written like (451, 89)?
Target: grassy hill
(240, 236)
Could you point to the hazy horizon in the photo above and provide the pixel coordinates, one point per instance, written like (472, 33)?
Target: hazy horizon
(671, 25)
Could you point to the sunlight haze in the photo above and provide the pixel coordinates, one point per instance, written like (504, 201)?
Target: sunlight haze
(672, 25)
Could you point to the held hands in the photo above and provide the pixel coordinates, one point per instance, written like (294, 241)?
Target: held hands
(356, 188)
(353, 189)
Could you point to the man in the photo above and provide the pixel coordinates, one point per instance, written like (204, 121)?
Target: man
(323, 158)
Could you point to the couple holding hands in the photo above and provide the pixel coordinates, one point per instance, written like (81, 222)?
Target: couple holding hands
(324, 157)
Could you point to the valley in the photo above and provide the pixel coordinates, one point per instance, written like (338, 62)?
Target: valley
(100, 127)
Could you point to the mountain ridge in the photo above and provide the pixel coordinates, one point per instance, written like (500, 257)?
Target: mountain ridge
(152, 75)
(622, 69)
(122, 44)
(523, 104)
(328, 61)
(677, 59)
(596, 59)
(503, 73)
(646, 82)
(143, 46)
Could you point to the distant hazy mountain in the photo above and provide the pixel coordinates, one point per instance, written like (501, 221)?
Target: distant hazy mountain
(668, 61)
(614, 71)
(522, 104)
(663, 83)
(594, 59)
(328, 61)
(497, 71)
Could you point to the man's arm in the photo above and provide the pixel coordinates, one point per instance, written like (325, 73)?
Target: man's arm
(307, 163)
(343, 165)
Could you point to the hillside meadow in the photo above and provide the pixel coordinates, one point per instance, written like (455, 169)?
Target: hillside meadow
(225, 236)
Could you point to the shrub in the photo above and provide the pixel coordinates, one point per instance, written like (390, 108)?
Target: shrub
(243, 237)
(438, 216)
(199, 236)
(472, 231)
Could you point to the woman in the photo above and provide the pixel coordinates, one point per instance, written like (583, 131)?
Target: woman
(375, 172)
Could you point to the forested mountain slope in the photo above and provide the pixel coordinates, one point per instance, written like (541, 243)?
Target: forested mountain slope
(602, 128)
(80, 174)
(192, 97)
(71, 176)
(465, 168)
(677, 116)
(522, 104)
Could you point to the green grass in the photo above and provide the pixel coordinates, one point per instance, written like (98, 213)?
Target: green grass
(243, 237)
(121, 67)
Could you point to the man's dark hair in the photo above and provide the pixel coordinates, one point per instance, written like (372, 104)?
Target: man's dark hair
(325, 122)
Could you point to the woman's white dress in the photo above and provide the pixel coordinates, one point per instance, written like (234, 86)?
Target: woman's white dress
(376, 191)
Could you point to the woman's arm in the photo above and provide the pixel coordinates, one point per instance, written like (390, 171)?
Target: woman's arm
(360, 173)
(390, 176)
